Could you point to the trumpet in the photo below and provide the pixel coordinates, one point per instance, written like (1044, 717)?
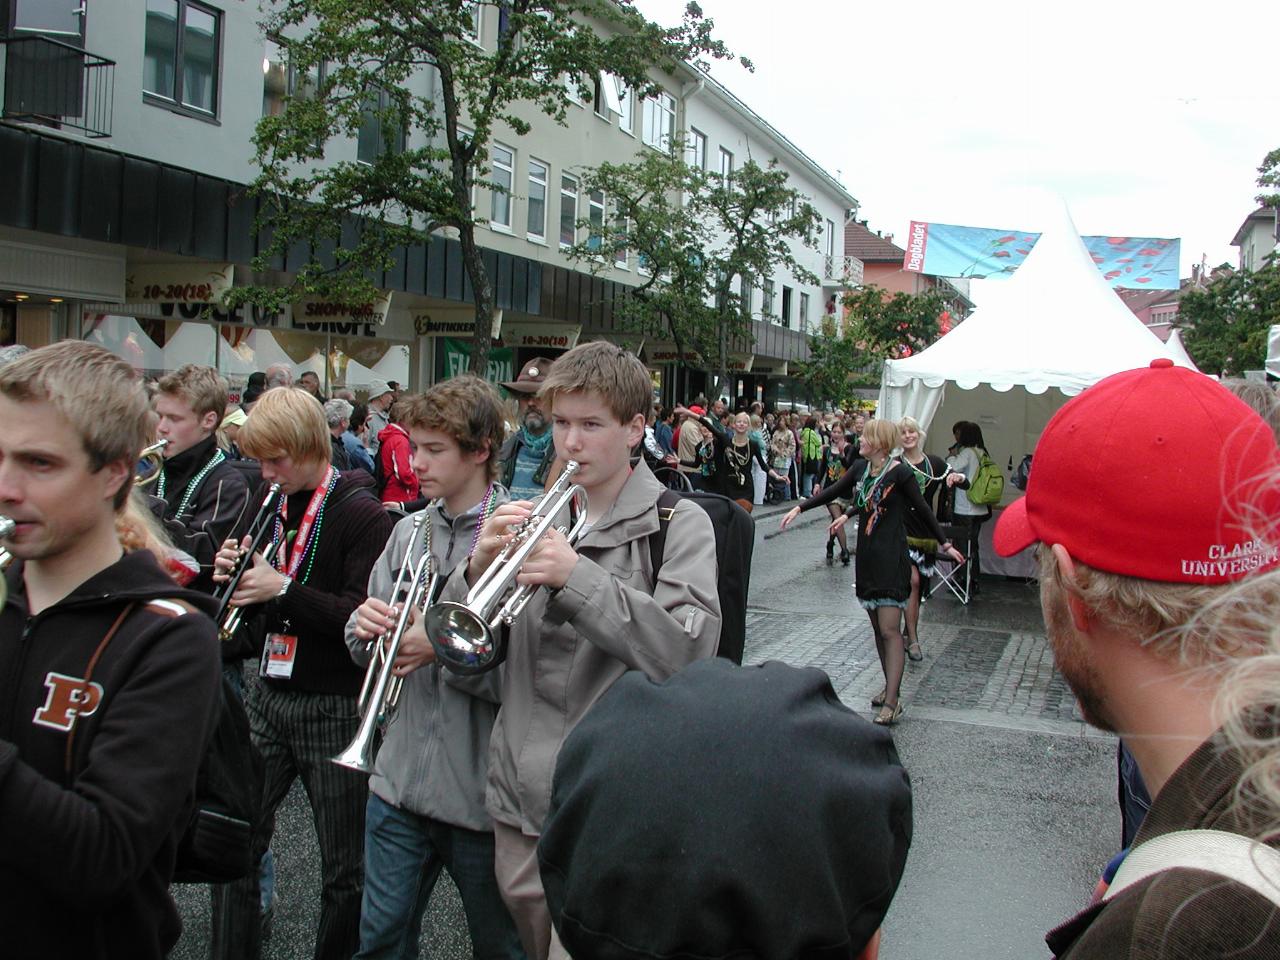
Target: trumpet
(7, 527)
(468, 636)
(229, 617)
(380, 693)
(153, 459)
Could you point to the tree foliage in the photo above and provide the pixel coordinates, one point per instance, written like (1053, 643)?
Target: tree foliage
(374, 60)
(834, 363)
(888, 327)
(1224, 325)
(695, 236)
(1269, 179)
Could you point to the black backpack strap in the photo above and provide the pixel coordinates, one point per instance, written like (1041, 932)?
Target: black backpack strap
(667, 501)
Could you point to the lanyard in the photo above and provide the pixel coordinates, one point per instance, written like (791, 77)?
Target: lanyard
(300, 541)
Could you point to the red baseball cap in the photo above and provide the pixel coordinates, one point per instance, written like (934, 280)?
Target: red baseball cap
(1159, 473)
(697, 411)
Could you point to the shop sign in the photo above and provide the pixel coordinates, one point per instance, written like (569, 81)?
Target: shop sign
(769, 367)
(343, 319)
(245, 314)
(551, 336)
(177, 283)
(741, 363)
(666, 352)
(457, 361)
(452, 322)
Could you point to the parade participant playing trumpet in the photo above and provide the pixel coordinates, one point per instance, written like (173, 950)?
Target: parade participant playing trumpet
(329, 529)
(108, 672)
(426, 796)
(204, 496)
(604, 612)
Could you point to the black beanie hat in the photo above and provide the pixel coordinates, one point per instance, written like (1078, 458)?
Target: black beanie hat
(729, 811)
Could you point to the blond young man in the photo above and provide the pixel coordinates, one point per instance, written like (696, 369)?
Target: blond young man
(204, 495)
(1182, 504)
(426, 796)
(602, 614)
(330, 529)
(109, 672)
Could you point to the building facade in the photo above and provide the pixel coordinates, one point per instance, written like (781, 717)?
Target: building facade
(126, 139)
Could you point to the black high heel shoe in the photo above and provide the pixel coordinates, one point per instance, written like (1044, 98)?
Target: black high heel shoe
(844, 557)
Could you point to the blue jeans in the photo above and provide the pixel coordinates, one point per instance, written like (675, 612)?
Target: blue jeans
(403, 854)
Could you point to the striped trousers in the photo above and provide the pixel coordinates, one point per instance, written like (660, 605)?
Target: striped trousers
(297, 733)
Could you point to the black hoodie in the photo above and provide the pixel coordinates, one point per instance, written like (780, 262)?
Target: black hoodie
(216, 506)
(86, 859)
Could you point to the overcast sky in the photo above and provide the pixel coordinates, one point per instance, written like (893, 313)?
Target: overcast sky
(1149, 119)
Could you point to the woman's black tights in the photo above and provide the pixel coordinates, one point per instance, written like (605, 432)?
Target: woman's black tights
(885, 623)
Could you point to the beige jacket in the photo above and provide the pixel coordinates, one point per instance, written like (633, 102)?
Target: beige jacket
(567, 649)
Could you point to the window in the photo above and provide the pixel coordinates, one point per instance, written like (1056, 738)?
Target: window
(726, 166)
(606, 95)
(659, 121)
(831, 239)
(537, 228)
(804, 313)
(280, 80)
(626, 108)
(472, 31)
(696, 149)
(766, 299)
(747, 292)
(503, 179)
(595, 217)
(568, 210)
(379, 131)
(786, 306)
(180, 58)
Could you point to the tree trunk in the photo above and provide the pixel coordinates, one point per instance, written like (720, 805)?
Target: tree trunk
(482, 290)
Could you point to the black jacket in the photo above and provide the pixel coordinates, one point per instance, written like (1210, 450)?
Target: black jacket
(326, 590)
(86, 858)
(214, 509)
(507, 460)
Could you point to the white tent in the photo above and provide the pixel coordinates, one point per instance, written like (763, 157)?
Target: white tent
(1050, 330)
(1177, 351)
(1273, 352)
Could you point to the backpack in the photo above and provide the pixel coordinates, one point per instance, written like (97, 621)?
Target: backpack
(988, 485)
(810, 444)
(1022, 475)
(217, 845)
(735, 539)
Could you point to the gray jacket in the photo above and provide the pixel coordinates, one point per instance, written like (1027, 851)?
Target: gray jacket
(568, 648)
(432, 760)
(375, 422)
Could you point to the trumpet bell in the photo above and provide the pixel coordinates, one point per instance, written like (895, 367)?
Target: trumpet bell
(463, 642)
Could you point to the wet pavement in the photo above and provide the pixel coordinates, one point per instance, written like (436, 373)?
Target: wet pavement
(1013, 794)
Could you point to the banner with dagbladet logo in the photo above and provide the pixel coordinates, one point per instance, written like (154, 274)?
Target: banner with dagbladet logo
(947, 250)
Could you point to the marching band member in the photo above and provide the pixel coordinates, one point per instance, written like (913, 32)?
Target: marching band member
(602, 613)
(330, 528)
(426, 797)
(108, 672)
(204, 496)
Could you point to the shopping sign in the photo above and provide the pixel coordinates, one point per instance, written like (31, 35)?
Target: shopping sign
(177, 283)
(457, 361)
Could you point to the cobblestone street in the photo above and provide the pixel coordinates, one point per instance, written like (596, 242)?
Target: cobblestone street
(1013, 794)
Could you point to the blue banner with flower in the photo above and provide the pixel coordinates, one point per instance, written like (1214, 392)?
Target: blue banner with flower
(946, 250)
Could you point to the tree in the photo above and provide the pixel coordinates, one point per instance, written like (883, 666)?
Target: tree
(360, 68)
(699, 241)
(1225, 324)
(1269, 180)
(887, 327)
(833, 363)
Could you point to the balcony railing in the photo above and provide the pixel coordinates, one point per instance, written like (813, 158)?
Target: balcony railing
(51, 82)
(842, 272)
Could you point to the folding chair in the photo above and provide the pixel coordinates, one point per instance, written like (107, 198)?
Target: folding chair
(955, 576)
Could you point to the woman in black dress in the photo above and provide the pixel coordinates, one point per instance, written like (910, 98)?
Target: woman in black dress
(881, 496)
(930, 471)
(734, 451)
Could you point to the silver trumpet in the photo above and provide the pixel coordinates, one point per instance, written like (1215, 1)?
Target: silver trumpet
(380, 692)
(229, 617)
(7, 527)
(468, 636)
